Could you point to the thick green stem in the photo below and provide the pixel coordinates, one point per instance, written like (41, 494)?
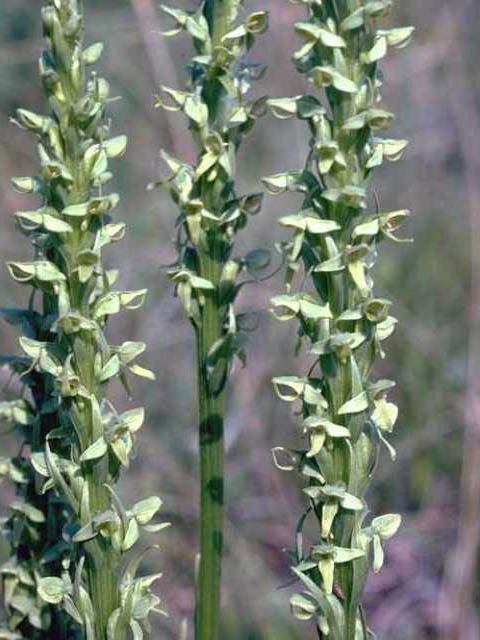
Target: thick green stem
(102, 576)
(211, 416)
(219, 14)
(103, 562)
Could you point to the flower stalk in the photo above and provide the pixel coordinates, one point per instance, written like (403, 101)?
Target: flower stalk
(79, 442)
(207, 274)
(342, 323)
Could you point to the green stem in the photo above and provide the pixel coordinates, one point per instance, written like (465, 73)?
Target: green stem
(219, 14)
(103, 583)
(211, 416)
(102, 575)
(103, 562)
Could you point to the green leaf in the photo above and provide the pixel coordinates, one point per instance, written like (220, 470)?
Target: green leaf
(235, 34)
(354, 20)
(98, 163)
(95, 451)
(398, 38)
(329, 511)
(40, 464)
(136, 630)
(303, 608)
(156, 528)
(32, 348)
(357, 270)
(314, 33)
(33, 514)
(257, 22)
(329, 39)
(113, 302)
(323, 424)
(128, 351)
(309, 223)
(196, 110)
(318, 226)
(33, 121)
(333, 265)
(327, 76)
(379, 119)
(110, 369)
(351, 502)
(146, 509)
(295, 387)
(31, 220)
(369, 229)
(25, 185)
(283, 108)
(326, 566)
(356, 405)
(286, 307)
(72, 610)
(386, 328)
(121, 451)
(55, 225)
(115, 147)
(377, 52)
(131, 536)
(387, 525)
(276, 184)
(112, 232)
(378, 554)
(347, 555)
(133, 419)
(52, 590)
(112, 633)
(142, 372)
(393, 149)
(42, 270)
(92, 54)
(77, 210)
(378, 8)
(201, 283)
(317, 440)
(355, 122)
(311, 310)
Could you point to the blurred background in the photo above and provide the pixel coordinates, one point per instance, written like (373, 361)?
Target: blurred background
(429, 586)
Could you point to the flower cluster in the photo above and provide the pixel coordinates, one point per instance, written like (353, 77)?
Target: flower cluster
(345, 414)
(211, 213)
(68, 529)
